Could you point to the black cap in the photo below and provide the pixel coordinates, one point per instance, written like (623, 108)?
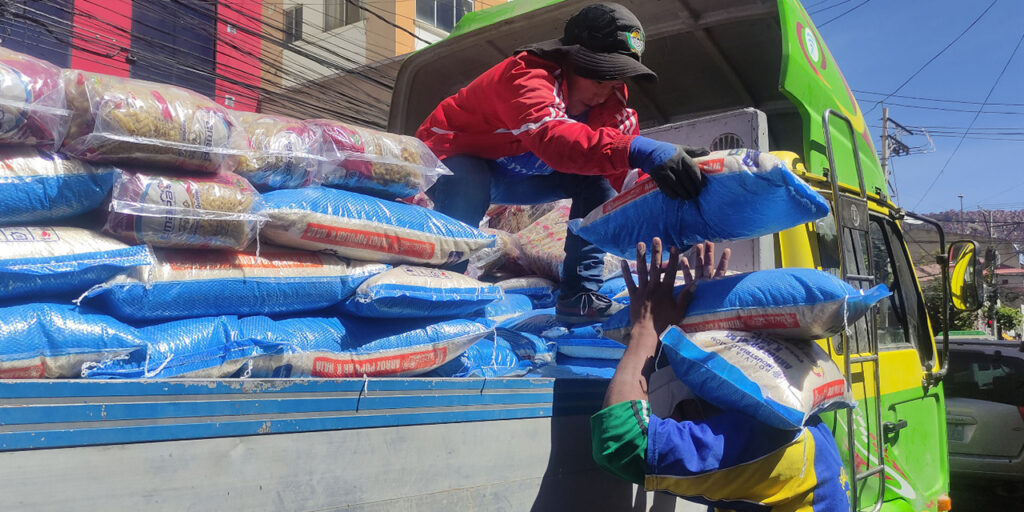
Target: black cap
(603, 42)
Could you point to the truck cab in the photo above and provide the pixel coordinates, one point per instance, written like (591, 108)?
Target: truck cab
(733, 73)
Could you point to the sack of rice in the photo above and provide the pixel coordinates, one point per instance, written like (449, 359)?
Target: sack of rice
(748, 194)
(566, 367)
(184, 283)
(198, 212)
(134, 122)
(365, 228)
(420, 292)
(488, 358)
(513, 218)
(373, 162)
(37, 186)
(374, 348)
(791, 303)
(32, 105)
(587, 343)
(56, 340)
(543, 292)
(534, 348)
(192, 348)
(276, 151)
(542, 246)
(778, 382)
(512, 306)
(60, 262)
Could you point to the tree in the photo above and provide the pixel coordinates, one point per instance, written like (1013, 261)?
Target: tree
(958, 320)
(1009, 319)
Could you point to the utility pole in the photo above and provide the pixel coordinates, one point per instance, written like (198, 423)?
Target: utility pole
(885, 143)
(961, 226)
(891, 144)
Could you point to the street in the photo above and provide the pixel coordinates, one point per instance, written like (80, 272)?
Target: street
(979, 496)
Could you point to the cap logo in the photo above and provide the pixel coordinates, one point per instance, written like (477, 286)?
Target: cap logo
(636, 41)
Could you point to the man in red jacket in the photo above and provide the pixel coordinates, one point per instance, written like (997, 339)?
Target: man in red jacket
(549, 123)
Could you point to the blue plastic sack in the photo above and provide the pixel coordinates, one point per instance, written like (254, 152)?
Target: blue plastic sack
(56, 340)
(748, 194)
(780, 383)
(577, 368)
(62, 262)
(186, 284)
(419, 292)
(511, 307)
(542, 291)
(795, 303)
(206, 347)
(36, 186)
(490, 357)
(374, 348)
(365, 228)
(529, 347)
(587, 343)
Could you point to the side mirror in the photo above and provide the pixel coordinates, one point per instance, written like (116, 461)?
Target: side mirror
(965, 280)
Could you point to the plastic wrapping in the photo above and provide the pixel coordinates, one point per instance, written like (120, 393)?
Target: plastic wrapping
(792, 303)
(419, 292)
(376, 348)
(512, 306)
(41, 262)
(587, 343)
(57, 340)
(184, 283)
(139, 123)
(374, 162)
(197, 212)
(748, 194)
(32, 103)
(780, 383)
(365, 228)
(37, 186)
(542, 246)
(515, 218)
(505, 250)
(276, 151)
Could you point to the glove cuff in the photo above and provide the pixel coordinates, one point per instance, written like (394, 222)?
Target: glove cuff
(646, 153)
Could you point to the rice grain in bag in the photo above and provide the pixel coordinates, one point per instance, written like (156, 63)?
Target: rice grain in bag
(134, 122)
(37, 186)
(378, 348)
(365, 228)
(542, 246)
(373, 162)
(276, 151)
(32, 104)
(778, 382)
(41, 340)
(38, 262)
(182, 284)
(193, 212)
(747, 194)
(793, 303)
(420, 292)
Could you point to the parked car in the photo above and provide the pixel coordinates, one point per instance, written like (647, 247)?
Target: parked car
(985, 411)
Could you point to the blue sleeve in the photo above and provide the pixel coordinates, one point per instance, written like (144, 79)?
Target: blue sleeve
(646, 154)
(685, 448)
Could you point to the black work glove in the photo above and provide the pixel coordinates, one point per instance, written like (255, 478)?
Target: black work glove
(671, 166)
(678, 177)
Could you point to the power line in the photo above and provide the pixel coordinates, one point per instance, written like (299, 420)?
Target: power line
(939, 100)
(854, 8)
(987, 96)
(948, 46)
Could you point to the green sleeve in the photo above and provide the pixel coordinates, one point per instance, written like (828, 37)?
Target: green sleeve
(619, 435)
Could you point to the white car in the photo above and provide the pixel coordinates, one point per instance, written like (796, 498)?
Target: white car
(985, 411)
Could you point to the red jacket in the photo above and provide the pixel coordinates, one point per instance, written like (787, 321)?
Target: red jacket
(516, 107)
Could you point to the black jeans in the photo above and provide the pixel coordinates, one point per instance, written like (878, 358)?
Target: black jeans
(476, 183)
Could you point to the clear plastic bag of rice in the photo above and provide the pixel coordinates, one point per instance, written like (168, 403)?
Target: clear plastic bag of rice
(198, 212)
(32, 105)
(542, 246)
(488, 259)
(377, 163)
(276, 151)
(134, 122)
(514, 218)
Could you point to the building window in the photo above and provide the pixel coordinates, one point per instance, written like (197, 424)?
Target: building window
(293, 24)
(338, 13)
(443, 14)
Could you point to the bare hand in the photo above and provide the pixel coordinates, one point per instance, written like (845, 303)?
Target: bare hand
(651, 301)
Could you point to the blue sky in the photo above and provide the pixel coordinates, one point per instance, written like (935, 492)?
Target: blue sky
(880, 44)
